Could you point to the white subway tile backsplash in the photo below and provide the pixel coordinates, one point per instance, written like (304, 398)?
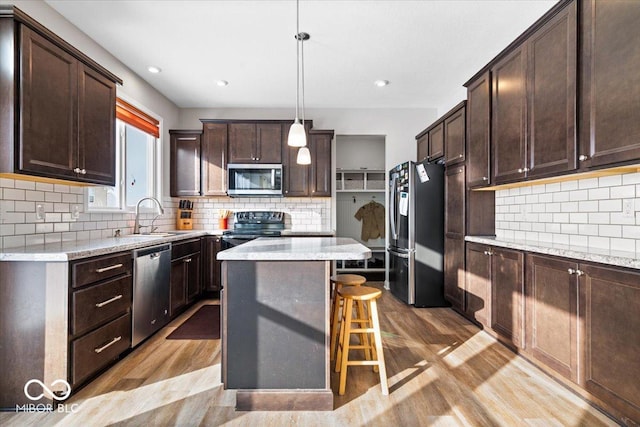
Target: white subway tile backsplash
(25, 185)
(626, 245)
(631, 178)
(610, 230)
(588, 183)
(585, 212)
(599, 218)
(579, 195)
(578, 218)
(610, 205)
(610, 181)
(588, 206)
(623, 192)
(13, 194)
(599, 242)
(561, 197)
(577, 240)
(599, 193)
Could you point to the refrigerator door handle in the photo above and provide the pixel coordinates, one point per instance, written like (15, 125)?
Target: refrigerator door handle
(392, 206)
(405, 255)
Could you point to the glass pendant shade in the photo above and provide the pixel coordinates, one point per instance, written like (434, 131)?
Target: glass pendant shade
(304, 156)
(297, 136)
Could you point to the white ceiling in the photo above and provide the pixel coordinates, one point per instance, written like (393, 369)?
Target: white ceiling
(426, 48)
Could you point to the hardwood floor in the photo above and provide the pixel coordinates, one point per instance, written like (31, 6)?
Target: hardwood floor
(443, 371)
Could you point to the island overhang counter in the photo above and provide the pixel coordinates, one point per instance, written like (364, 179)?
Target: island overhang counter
(275, 320)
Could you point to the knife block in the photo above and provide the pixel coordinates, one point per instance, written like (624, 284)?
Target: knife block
(184, 220)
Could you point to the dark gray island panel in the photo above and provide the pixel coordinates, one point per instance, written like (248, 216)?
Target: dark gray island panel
(279, 326)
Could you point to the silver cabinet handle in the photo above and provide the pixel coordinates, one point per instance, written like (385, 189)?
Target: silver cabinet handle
(83, 171)
(484, 178)
(488, 253)
(187, 139)
(111, 267)
(583, 157)
(187, 260)
(459, 156)
(76, 170)
(107, 345)
(571, 271)
(579, 272)
(109, 301)
(521, 170)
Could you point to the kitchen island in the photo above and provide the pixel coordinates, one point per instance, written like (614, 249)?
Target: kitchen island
(275, 320)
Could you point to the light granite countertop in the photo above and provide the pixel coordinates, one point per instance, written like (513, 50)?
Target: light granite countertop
(78, 249)
(73, 250)
(580, 253)
(297, 249)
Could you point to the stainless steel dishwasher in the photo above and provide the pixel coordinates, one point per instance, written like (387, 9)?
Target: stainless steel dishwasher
(151, 290)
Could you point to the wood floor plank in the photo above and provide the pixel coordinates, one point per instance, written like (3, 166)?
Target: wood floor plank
(442, 370)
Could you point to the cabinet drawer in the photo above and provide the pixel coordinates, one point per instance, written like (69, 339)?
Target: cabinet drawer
(95, 350)
(183, 248)
(94, 305)
(97, 269)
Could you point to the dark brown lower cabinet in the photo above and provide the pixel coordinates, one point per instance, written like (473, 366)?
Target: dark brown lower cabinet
(610, 308)
(478, 283)
(552, 313)
(507, 295)
(454, 272)
(211, 245)
(185, 274)
(100, 295)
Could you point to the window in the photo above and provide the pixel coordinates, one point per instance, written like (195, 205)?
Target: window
(138, 157)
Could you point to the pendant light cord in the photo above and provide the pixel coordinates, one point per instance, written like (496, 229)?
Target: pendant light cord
(297, 58)
(302, 72)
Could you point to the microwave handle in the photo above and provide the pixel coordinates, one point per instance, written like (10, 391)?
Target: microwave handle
(273, 178)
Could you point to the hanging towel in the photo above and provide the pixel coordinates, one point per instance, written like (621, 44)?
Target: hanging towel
(372, 217)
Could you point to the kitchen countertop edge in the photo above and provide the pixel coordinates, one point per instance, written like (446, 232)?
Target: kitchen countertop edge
(580, 253)
(297, 249)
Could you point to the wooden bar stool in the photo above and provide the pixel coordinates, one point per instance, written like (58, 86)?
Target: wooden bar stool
(338, 281)
(369, 325)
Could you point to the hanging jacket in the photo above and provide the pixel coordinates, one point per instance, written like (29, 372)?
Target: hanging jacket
(372, 217)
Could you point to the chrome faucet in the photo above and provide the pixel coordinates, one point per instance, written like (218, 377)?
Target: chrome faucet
(136, 225)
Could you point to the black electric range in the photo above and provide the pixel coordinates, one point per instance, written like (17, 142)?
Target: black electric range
(249, 225)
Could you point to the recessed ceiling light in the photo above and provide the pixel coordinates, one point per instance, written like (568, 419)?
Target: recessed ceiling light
(153, 69)
(222, 83)
(381, 83)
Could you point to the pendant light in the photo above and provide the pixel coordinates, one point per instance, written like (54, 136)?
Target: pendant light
(304, 156)
(297, 136)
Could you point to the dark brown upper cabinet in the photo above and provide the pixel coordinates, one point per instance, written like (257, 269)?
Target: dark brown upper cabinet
(59, 108)
(533, 130)
(320, 170)
(423, 147)
(454, 135)
(610, 84)
(214, 159)
(478, 131)
(446, 133)
(436, 142)
(185, 168)
(312, 180)
(255, 143)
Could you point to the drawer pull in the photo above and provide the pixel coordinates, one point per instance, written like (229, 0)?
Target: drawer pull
(109, 301)
(107, 345)
(187, 260)
(111, 267)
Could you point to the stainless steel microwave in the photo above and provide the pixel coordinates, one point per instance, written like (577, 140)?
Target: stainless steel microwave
(250, 179)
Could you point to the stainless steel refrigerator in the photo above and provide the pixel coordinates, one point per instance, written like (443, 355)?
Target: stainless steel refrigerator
(416, 234)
